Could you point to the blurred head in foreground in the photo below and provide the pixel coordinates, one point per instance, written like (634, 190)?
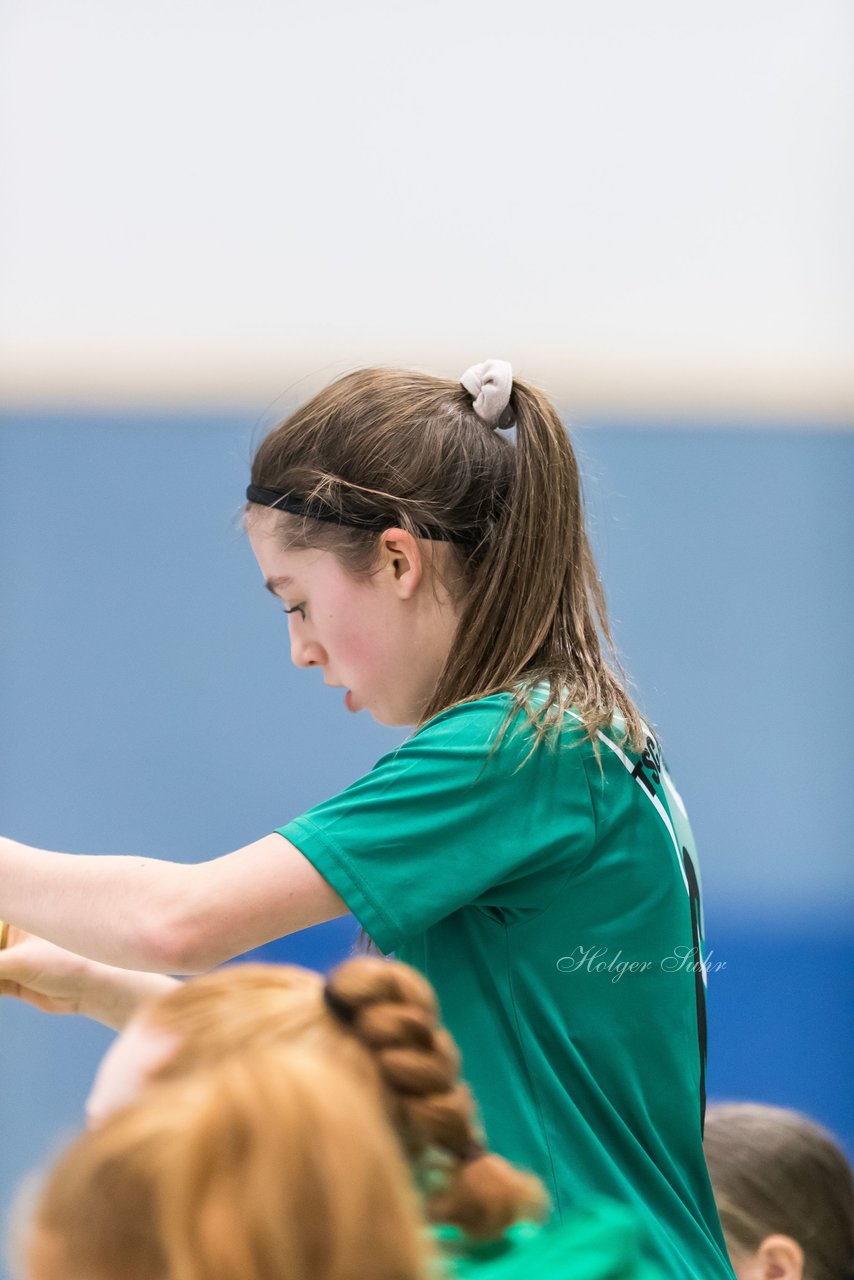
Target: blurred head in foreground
(268, 1165)
(378, 1021)
(785, 1193)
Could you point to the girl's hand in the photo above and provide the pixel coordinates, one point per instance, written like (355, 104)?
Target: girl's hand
(58, 981)
(42, 974)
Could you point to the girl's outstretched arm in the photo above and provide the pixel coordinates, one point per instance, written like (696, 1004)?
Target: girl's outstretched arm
(164, 917)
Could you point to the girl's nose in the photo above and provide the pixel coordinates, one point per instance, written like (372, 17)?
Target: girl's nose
(306, 653)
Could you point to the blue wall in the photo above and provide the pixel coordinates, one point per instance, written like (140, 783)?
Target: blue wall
(148, 705)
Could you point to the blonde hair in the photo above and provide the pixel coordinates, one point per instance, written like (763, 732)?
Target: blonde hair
(402, 447)
(385, 1031)
(774, 1171)
(268, 1165)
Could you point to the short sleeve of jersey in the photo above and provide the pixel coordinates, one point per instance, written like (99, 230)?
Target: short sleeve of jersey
(440, 824)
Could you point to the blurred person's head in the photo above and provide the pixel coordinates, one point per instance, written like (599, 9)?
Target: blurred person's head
(379, 1021)
(424, 556)
(268, 1165)
(784, 1191)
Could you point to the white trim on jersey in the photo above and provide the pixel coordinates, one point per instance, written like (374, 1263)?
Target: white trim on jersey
(659, 807)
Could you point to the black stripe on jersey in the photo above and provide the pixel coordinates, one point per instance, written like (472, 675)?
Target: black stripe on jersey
(699, 985)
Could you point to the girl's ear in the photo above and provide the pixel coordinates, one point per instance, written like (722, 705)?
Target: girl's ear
(778, 1257)
(401, 560)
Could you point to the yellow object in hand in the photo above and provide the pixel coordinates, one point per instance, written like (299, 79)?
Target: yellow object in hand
(4, 934)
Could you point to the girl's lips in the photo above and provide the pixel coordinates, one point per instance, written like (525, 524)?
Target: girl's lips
(348, 701)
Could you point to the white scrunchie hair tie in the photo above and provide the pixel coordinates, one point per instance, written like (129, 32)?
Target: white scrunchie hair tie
(490, 384)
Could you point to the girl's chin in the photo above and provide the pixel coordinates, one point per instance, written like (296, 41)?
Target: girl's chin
(385, 716)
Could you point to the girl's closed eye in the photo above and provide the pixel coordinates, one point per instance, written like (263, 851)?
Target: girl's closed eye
(297, 608)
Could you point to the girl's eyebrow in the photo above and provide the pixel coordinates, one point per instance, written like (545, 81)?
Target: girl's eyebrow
(272, 584)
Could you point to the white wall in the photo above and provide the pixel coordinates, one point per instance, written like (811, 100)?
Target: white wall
(641, 205)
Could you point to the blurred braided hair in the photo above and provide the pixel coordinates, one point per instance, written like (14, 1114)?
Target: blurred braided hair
(381, 1020)
(392, 1010)
(266, 1164)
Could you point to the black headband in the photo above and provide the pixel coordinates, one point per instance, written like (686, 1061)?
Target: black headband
(296, 506)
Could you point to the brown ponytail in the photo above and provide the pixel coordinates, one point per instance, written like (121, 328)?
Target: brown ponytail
(274, 1164)
(392, 1010)
(403, 447)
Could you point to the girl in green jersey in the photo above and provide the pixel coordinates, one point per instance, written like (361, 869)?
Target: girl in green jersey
(524, 848)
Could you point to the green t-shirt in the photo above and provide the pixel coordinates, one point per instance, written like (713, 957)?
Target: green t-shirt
(513, 890)
(601, 1241)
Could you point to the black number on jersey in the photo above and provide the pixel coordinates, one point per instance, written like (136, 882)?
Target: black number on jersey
(648, 768)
